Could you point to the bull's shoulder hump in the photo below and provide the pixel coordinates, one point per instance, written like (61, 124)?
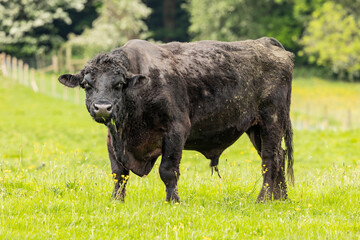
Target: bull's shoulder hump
(270, 41)
(276, 48)
(144, 49)
(138, 44)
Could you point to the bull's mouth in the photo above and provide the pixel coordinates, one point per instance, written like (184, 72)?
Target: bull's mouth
(103, 120)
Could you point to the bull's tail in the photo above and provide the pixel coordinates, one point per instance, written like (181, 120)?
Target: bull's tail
(289, 151)
(288, 136)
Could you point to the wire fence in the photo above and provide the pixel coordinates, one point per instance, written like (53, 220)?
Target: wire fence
(44, 79)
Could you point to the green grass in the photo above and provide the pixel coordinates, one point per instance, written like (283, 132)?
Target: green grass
(55, 179)
(317, 104)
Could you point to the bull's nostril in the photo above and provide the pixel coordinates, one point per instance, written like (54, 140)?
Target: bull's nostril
(102, 110)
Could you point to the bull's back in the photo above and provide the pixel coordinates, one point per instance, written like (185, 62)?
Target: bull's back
(226, 83)
(222, 83)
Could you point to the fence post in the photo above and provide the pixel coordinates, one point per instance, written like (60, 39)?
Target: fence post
(42, 81)
(307, 114)
(65, 96)
(68, 58)
(326, 118)
(26, 74)
(3, 64)
(60, 57)
(14, 68)
(21, 71)
(349, 123)
(77, 95)
(8, 65)
(55, 63)
(32, 80)
(53, 85)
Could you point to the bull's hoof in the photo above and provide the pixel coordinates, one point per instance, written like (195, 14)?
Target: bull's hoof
(175, 199)
(280, 196)
(262, 200)
(118, 195)
(172, 195)
(264, 197)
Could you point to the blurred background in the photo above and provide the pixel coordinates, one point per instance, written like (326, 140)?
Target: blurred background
(55, 176)
(41, 38)
(324, 34)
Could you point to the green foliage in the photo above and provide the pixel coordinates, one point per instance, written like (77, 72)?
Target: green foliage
(55, 180)
(325, 32)
(351, 6)
(332, 39)
(28, 27)
(168, 25)
(118, 22)
(304, 8)
(231, 20)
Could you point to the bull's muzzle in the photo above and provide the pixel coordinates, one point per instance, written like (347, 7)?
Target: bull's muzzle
(102, 110)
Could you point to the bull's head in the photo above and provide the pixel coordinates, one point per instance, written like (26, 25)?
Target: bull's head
(105, 90)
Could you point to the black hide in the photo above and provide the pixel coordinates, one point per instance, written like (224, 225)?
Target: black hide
(201, 96)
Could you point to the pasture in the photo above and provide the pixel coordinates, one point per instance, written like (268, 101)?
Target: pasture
(56, 182)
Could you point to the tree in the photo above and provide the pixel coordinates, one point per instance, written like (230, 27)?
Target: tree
(169, 21)
(304, 8)
(332, 39)
(233, 20)
(29, 27)
(351, 6)
(118, 22)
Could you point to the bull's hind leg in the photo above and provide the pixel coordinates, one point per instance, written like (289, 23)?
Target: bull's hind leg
(279, 185)
(272, 165)
(255, 137)
(120, 174)
(280, 189)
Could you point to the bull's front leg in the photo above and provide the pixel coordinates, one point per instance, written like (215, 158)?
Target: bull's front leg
(172, 146)
(120, 174)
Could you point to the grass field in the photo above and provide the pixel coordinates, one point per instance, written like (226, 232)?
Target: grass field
(56, 183)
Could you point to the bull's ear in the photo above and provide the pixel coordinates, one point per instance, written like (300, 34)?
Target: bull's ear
(70, 80)
(136, 81)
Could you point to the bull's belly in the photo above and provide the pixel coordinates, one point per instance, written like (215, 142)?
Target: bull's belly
(212, 142)
(213, 134)
(206, 140)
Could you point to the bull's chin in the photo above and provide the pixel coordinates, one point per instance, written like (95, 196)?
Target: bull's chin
(102, 120)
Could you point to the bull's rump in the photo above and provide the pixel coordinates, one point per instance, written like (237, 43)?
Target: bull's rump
(227, 83)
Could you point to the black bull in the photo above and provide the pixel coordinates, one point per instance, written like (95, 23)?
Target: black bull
(161, 99)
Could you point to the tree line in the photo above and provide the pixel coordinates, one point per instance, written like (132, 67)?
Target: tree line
(322, 33)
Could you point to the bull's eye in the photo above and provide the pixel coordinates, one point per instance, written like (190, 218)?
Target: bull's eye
(118, 86)
(86, 85)
(85, 82)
